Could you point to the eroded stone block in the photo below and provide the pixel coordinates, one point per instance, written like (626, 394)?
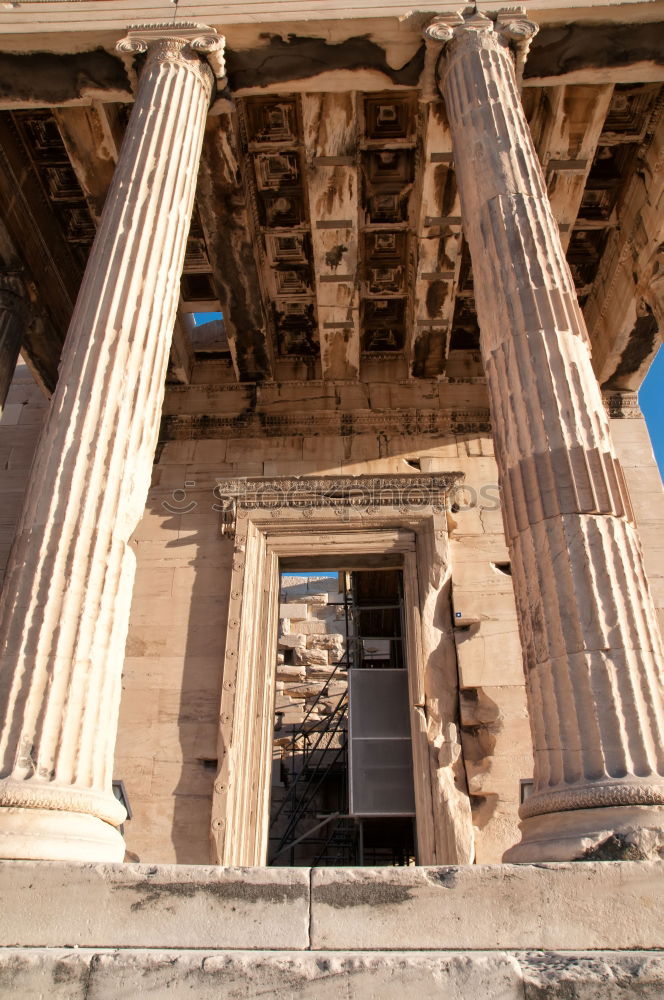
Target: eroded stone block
(310, 657)
(286, 673)
(292, 641)
(250, 975)
(313, 627)
(333, 641)
(295, 612)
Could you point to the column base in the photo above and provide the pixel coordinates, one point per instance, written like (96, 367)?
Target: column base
(56, 835)
(615, 833)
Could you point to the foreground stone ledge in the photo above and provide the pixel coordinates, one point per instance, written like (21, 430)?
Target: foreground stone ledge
(70, 974)
(614, 905)
(569, 907)
(51, 904)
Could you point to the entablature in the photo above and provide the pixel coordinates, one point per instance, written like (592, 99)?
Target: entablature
(327, 226)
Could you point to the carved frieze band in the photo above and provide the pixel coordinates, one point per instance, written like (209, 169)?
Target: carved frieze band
(622, 405)
(344, 495)
(471, 421)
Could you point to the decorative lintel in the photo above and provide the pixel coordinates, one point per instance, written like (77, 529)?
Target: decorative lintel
(344, 495)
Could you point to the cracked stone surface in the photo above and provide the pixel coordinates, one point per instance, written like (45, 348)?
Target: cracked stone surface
(83, 973)
(595, 905)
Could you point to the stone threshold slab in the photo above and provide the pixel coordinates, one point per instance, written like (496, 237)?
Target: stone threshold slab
(563, 906)
(586, 906)
(53, 903)
(82, 974)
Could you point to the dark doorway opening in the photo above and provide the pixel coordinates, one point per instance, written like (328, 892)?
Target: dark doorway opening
(342, 779)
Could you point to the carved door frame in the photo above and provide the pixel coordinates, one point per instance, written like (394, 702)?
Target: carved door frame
(364, 521)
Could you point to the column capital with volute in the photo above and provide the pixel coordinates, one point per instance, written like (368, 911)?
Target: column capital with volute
(591, 646)
(187, 42)
(510, 28)
(64, 608)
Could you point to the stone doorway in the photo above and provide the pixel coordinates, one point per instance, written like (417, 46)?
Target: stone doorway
(342, 790)
(350, 524)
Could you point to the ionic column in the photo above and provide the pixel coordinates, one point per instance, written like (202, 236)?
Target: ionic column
(65, 606)
(592, 651)
(14, 311)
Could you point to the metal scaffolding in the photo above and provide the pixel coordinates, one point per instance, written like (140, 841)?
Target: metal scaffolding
(311, 825)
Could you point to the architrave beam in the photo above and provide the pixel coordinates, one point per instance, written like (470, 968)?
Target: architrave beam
(566, 147)
(91, 136)
(438, 249)
(225, 217)
(625, 310)
(330, 141)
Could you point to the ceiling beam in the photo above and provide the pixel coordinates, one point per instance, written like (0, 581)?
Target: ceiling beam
(573, 119)
(625, 310)
(40, 347)
(47, 264)
(330, 143)
(91, 136)
(228, 228)
(438, 242)
(181, 359)
(583, 52)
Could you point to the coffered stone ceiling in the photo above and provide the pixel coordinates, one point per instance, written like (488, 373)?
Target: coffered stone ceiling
(327, 227)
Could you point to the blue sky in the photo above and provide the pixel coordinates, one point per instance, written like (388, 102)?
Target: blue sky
(200, 319)
(651, 398)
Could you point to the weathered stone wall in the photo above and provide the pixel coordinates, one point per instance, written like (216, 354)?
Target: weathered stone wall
(167, 742)
(644, 482)
(172, 677)
(495, 731)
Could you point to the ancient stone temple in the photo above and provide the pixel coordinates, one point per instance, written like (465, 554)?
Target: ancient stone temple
(330, 652)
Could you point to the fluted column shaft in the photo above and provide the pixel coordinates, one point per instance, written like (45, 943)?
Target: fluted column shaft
(65, 606)
(14, 313)
(592, 650)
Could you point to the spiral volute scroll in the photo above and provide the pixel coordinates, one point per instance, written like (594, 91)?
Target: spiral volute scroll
(167, 40)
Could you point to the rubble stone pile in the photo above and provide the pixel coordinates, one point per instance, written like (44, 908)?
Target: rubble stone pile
(311, 642)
